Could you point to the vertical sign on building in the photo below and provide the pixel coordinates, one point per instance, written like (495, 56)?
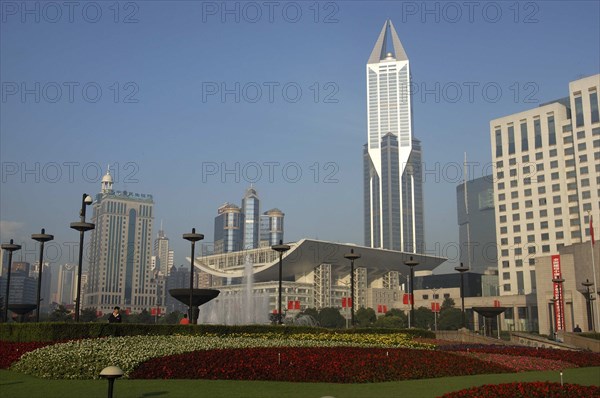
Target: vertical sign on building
(559, 307)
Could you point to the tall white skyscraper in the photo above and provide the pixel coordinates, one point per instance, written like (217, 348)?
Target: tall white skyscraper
(251, 214)
(393, 188)
(120, 272)
(162, 253)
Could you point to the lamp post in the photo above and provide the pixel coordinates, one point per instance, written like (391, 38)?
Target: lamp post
(434, 290)
(280, 248)
(412, 264)
(42, 237)
(82, 227)
(588, 299)
(352, 256)
(558, 280)
(111, 373)
(462, 269)
(10, 247)
(192, 238)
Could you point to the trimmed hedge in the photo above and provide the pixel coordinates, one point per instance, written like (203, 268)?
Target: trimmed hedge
(57, 331)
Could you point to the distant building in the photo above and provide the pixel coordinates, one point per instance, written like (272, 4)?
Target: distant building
(121, 249)
(477, 224)
(163, 255)
(251, 217)
(271, 227)
(547, 179)
(23, 288)
(228, 229)
(67, 284)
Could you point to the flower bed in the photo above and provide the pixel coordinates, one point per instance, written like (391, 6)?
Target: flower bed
(333, 365)
(578, 358)
(520, 363)
(527, 390)
(11, 352)
(84, 359)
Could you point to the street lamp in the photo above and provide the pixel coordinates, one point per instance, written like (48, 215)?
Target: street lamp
(434, 290)
(82, 227)
(352, 256)
(412, 264)
(111, 373)
(462, 269)
(10, 247)
(280, 248)
(560, 311)
(192, 238)
(588, 299)
(42, 237)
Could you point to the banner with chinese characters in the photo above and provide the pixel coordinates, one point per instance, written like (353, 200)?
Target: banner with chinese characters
(559, 306)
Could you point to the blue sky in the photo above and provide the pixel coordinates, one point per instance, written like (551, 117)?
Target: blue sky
(180, 115)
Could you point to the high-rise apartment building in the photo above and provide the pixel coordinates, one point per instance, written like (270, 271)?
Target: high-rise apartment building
(120, 271)
(393, 184)
(547, 179)
(251, 212)
(477, 224)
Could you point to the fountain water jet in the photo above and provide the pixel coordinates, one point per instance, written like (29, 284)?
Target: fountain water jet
(241, 306)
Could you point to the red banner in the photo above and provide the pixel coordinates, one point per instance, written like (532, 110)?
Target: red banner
(379, 308)
(155, 311)
(559, 306)
(293, 305)
(407, 298)
(435, 307)
(297, 305)
(496, 303)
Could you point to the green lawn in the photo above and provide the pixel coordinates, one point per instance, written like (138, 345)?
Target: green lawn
(16, 385)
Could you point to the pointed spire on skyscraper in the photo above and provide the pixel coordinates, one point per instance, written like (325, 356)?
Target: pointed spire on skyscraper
(382, 46)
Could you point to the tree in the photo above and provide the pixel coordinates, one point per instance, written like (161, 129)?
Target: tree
(392, 321)
(365, 317)
(171, 318)
(331, 318)
(142, 317)
(61, 314)
(423, 318)
(88, 315)
(450, 318)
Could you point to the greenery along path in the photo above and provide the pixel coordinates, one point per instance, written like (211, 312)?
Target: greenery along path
(17, 385)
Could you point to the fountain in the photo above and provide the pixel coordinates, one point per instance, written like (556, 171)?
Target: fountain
(238, 307)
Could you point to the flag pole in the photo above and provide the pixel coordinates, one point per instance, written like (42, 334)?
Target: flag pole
(597, 323)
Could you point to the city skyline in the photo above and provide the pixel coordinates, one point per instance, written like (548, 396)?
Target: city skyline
(182, 102)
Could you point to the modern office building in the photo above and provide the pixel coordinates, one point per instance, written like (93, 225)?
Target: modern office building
(271, 227)
(251, 213)
(477, 224)
(120, 271)
(393, 183)
(547, 178)
(228, 235)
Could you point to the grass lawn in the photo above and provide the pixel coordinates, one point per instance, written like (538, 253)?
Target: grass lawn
(16, 385)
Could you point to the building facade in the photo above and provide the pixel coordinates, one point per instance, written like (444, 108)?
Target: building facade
(393, 183)
(66, 284)
(477, 224)
(120, 272)
(547, 179)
